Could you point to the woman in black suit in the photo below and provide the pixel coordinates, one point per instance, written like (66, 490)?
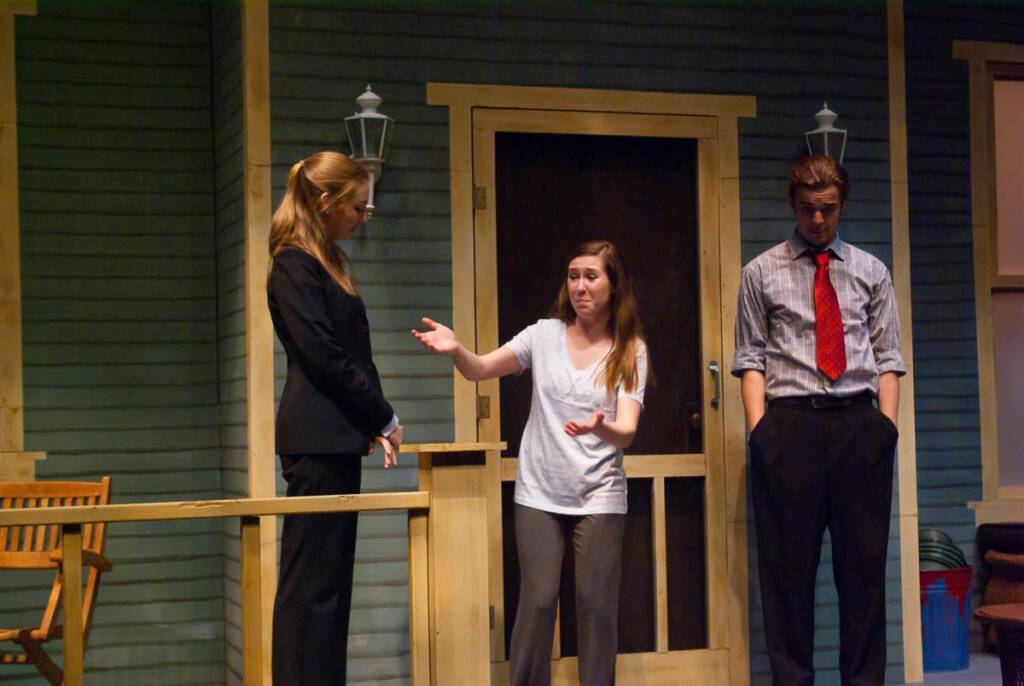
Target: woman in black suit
(331, 409)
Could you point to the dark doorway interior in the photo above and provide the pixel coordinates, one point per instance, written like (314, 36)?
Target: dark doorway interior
(554, 191)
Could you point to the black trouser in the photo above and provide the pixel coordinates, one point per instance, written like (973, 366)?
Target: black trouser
(314, 589)
(810, 469)
(597, 548)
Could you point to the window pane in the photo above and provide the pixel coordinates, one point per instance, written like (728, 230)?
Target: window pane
(1008, 330)
(1009, 137)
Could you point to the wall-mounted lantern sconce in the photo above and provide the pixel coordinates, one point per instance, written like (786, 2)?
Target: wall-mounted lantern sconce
(826, 139)
(369, 136)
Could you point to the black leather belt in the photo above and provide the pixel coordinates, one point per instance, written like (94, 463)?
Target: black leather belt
(823, 402)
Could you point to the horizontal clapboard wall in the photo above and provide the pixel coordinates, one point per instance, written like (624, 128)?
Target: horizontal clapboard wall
(322, 57)
(120, 316)
(942, 261)
(226, 97)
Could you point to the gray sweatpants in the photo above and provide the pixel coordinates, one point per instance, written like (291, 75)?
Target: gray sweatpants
(597, 550)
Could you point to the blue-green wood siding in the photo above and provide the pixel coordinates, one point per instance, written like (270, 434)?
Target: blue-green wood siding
(130, 164)
(228, 143)
(322, 57)
(120, 315)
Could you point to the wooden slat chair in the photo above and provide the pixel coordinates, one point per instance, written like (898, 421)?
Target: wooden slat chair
(39, 547)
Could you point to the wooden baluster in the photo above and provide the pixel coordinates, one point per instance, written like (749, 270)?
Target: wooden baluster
(419, 599)
(73, 646)
(660, 564)
(252, 634)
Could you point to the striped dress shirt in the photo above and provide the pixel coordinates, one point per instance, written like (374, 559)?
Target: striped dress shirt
(775, 330)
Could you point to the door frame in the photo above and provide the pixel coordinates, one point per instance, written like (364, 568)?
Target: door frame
(708, 464)
(713, 120)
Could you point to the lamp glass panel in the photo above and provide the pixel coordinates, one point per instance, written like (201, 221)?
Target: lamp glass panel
(356, 139)
(387, 133)
(834, 141)
(816, 143)
(375, 129)
(826, 143)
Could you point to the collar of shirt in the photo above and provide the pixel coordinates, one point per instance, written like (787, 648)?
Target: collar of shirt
(798, 247)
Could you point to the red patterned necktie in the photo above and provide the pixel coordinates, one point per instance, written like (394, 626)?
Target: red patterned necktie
(828, 321)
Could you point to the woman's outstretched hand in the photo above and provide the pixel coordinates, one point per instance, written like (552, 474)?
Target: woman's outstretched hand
(581, 428)
(390, 456)
(438, 339)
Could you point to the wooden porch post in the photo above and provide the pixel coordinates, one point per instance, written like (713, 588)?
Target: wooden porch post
(459, 610)
(258, 327)
(913, 665)
(15, 463)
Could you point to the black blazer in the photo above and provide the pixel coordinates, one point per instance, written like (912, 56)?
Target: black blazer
(332, 400)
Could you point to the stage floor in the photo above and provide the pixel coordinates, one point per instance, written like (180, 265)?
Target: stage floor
(984, 671)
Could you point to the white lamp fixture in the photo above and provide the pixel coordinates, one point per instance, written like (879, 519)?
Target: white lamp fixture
(826, 139)
(369, 135)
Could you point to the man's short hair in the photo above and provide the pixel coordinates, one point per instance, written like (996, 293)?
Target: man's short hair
(816, 172)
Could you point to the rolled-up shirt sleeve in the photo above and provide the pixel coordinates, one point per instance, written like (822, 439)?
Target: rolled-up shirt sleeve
(884, 327)
(751, 324)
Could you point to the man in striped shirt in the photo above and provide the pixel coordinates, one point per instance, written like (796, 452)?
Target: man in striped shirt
(817, 345)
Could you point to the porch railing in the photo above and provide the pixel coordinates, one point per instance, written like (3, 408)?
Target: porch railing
(445, 518)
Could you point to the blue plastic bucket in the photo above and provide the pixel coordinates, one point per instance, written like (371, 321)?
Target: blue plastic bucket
(945, 616)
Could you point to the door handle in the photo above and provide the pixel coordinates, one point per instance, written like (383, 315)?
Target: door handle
(716, 376)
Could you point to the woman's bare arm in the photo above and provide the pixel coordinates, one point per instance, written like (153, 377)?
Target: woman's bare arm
(440, 339)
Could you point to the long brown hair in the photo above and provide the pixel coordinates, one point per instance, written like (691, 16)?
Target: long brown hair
(624, 323)
(298, 221)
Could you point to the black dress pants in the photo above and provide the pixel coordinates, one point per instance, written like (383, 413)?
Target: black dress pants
(314, 589)
(810, 469)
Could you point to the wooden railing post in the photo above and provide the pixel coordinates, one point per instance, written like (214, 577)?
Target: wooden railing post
(456, 538)
(71, 543)
(252, 622)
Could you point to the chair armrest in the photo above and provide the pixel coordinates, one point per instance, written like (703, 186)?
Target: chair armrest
(88, 557)
(997, 558)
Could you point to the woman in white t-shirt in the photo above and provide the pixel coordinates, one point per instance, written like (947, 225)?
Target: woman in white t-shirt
(589, 369)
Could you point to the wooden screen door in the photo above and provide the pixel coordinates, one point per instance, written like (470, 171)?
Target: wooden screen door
(543, 182)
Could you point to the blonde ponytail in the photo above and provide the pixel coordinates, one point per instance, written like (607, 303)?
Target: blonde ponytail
(298, 222)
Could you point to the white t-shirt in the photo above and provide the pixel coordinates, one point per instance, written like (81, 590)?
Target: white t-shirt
(557, 472)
